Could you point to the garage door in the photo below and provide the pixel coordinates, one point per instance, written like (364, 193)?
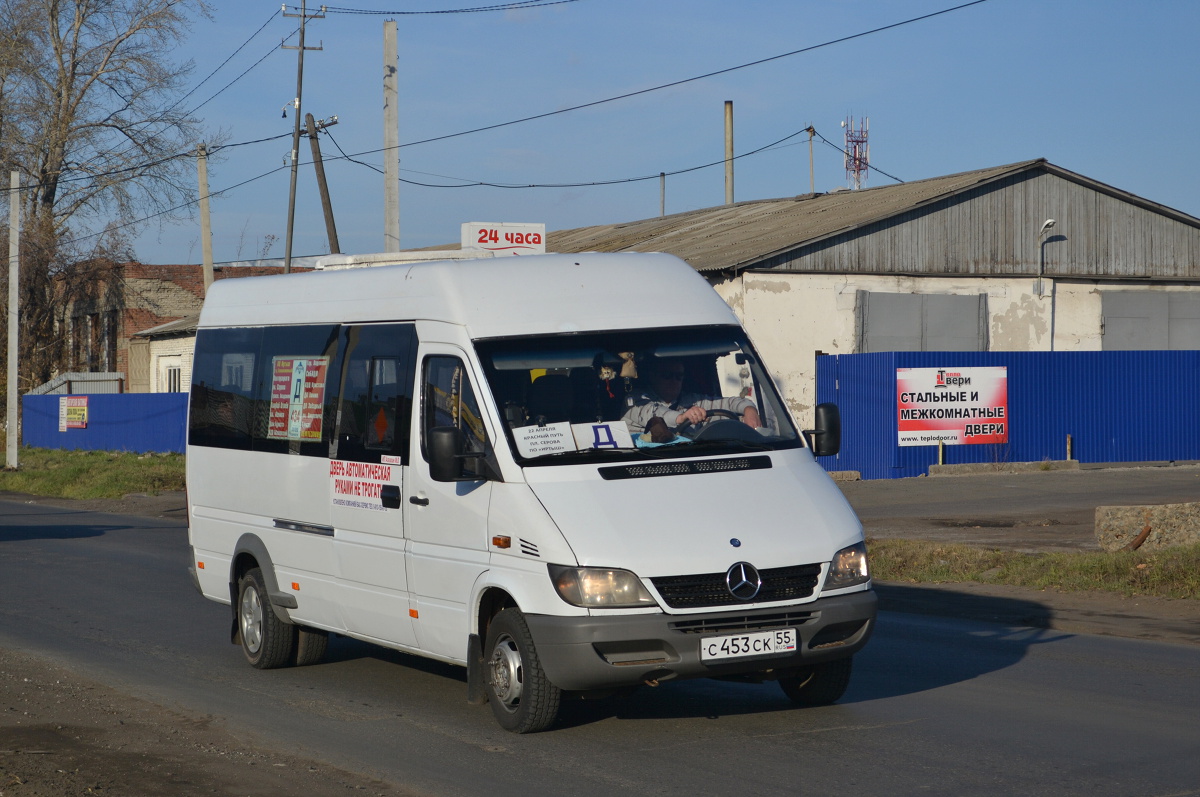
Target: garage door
(1150, 320)
(921, 322)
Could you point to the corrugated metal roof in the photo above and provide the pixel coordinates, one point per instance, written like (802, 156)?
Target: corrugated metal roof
(743, 234)
(184, 325)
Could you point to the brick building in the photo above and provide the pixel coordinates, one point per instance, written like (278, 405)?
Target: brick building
(123, 299)
(139, 320)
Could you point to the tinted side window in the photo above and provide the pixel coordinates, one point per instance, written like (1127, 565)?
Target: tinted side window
(222, 411)
(449, 400)
(375, 412)
(263, 388)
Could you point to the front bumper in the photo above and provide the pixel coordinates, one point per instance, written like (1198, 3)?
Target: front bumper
(586, 653)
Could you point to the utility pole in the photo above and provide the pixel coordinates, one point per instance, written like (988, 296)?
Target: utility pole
(662, 194)
(327, 206)
(14, 250)
(205, 219)
(391, 140)
(812, 182)
(291, 222)
(728, 152)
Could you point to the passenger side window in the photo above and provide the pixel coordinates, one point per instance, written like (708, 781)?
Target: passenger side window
(374, 416)
(449, 400)
(222, 409)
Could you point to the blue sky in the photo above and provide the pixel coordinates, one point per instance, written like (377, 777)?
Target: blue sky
(1106, 89)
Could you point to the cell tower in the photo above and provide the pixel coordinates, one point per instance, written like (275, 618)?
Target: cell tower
(857, 152)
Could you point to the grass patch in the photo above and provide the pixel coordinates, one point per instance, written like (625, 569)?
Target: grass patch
(1170, 573)
(92, 474)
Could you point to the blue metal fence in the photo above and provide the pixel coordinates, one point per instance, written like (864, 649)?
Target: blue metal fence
(139, 422)
(1121, 406)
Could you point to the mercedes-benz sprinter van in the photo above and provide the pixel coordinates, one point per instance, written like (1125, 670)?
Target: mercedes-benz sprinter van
(571, 474)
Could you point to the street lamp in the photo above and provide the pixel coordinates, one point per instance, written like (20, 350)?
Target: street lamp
(1046, 226)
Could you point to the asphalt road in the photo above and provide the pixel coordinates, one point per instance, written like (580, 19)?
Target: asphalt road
(936, 706)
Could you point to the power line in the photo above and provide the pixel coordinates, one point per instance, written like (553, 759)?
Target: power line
(561, 110)
(149, 164)
(535, 3)
(498, 7)
(268, 54)
(844, 152)
(179, 207)
(241, 47)
(195, 88)
(693, 79)
(615, 181)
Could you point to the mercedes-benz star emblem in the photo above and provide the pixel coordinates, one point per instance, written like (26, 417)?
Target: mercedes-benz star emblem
(743, 581)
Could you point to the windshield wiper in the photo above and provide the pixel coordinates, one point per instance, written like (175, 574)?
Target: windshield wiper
(735, 443)
(585, 453)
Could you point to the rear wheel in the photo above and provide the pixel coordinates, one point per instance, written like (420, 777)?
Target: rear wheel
(267, 641)
(523, 699)
(819, 684)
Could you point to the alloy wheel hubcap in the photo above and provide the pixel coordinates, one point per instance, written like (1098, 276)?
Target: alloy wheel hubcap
(251, 618)
(505, 670)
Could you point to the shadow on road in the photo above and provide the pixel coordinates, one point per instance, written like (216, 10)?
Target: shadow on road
(909, 654)
(942, 602)
(53, 526)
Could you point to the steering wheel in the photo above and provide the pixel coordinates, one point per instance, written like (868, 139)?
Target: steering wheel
(727, 426)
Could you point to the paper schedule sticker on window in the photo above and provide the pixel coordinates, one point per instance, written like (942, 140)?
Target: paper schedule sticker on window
(536, 441)
(297, 397)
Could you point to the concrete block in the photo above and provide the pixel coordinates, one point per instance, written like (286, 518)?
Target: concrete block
(977, 468)
(1164, 526)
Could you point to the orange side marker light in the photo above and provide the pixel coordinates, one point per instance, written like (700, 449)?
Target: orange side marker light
(296, 586)
(500, 541)
(413, 614)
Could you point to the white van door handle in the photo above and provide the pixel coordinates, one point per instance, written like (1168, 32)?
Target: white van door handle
(418, 501)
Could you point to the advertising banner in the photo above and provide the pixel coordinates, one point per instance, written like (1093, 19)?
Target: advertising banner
(72, 412)
(955, 406)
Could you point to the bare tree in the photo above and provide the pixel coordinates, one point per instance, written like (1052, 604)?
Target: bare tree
(91, 115)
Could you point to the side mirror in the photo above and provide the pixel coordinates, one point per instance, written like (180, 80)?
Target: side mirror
(445, 444)
(826, 438)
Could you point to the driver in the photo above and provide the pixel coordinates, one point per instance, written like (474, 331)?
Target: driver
(662, 396)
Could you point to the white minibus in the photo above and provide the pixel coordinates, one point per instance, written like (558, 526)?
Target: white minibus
(570, 474)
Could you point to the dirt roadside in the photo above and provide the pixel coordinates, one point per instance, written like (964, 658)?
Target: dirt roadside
(64, 734)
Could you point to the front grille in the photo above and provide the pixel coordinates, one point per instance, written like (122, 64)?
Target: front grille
(709, 589)
(749, 622)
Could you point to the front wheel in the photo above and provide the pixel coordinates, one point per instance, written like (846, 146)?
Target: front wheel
(522, 697)
(819, 684)
(267, 641)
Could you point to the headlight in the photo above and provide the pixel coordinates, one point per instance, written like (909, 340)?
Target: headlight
(848, 568)
(599, 587)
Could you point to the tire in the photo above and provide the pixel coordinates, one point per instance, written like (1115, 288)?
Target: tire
(310, 646)
(523, 699)
(267, 641)
(818, 685)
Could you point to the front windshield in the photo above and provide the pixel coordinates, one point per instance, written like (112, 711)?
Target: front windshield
(634, 394)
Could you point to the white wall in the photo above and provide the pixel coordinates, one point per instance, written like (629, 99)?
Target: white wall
(792, 316)
(171, 351)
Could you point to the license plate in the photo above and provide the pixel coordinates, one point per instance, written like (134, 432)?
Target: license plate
(759, 643)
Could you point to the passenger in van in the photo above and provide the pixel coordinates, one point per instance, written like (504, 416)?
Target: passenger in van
(662, 396)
